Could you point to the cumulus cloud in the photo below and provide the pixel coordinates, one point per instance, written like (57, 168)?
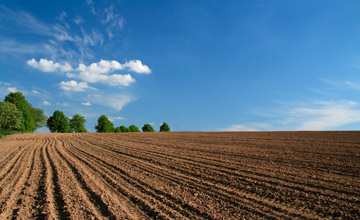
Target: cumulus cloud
(113, 80)
(102, 67)
(86, 103)
(46, 103)
(49, 66)
(72, 85)
(137, 66)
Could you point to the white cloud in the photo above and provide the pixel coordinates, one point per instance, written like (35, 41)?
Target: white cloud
(35, 26)
(112, 119)
(102, 67)
(113, 80)
(49, 66)
(35, 92)
(91, 39)
(62, 16)
(95, 72)
(239, 128)
(255, 126)
(316, 115)
(86, 103)
(327, 115)
(353, 85)
(72, 85)
(12, 89)
(115, 101)
(137, 66)
(46, 103)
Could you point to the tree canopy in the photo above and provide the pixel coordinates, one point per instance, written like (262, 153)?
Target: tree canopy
(164, 127)
(28, 122)
(10, 117)
(133, 128)
(77, 123)
(59, 123)
(39, 117)
(104, 125)
(148, 128)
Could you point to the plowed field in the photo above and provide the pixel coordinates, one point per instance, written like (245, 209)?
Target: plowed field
(190, 175)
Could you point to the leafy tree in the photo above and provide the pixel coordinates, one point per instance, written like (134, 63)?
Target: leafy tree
(59, 123)
(104, 125)
(133, 128)
(148, 128)
(28, 122)
(39, 117)
(164, 127)
(117, 129)
(123, 129)
(10, 117)
(77, 123)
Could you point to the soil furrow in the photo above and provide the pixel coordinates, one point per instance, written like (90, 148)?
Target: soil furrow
(208, 190)
(181, 175)
(117, 173)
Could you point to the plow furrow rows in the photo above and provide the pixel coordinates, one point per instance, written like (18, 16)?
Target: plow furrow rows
(180, 176)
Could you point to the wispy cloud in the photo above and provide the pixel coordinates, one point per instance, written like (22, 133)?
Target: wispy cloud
(115, 101)
(78, 20)
(114, 21)
(46, 103)
(326, 115)
(86, 103)
(248, 127)
(315, 115)
(112, 119)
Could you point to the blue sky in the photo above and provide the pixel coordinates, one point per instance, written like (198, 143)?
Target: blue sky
(197, 65)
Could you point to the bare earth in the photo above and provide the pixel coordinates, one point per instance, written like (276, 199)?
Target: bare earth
(187, 175)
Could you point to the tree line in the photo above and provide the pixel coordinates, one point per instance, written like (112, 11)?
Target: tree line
(17, 114)
(59, 123)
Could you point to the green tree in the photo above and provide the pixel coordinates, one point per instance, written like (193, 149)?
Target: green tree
(28, 122)
(104, 125)
(148, 128)
(117, 129)
(77, 123)
(39, 117)
(164, 127)
(123, 129)
(10, 117)
(133, 128)
(59, 123)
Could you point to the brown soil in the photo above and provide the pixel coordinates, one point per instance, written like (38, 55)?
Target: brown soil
(181, 175)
